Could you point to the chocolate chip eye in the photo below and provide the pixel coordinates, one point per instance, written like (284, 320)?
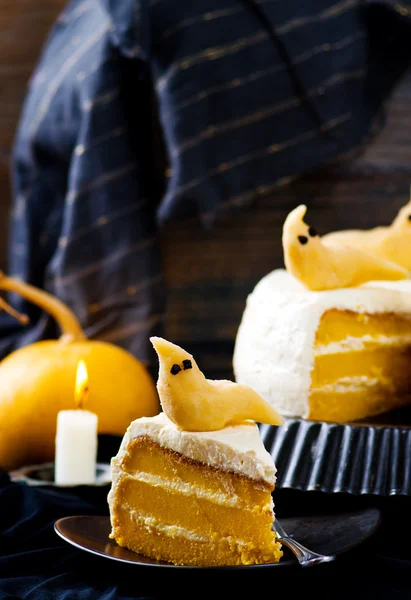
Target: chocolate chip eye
(302, 239)
(312, 232)
(187, 364)
(409, 217)
(175, 369)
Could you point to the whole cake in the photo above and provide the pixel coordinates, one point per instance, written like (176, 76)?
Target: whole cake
(196, 497)
(329, 338)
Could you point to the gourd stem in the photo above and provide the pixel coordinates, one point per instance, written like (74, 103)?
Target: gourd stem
(68, 323)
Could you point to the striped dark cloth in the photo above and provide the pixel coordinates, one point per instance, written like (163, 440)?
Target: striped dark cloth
(141, 112)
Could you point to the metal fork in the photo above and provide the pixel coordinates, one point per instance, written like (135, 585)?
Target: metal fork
(305, 556)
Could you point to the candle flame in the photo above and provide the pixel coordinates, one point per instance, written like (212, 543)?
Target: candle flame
(81, 390)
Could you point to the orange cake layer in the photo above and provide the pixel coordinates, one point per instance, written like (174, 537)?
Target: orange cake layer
(389, 365)
(352, 405)
(162, 498)
(337, 325)
(171, 465)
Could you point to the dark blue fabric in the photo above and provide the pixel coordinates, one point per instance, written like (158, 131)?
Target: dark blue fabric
(240, 97)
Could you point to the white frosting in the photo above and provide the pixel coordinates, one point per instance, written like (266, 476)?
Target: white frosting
(273, 351)
(238, 448)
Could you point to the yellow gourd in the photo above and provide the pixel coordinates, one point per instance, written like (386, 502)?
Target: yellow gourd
(37, 381)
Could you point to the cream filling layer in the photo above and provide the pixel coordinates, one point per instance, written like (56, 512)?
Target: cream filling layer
(189, 489)
(169, 530)
(348, 384)
(151, 523)
(350, 344)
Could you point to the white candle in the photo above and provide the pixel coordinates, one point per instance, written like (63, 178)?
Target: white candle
(76, 447)
(76, 439)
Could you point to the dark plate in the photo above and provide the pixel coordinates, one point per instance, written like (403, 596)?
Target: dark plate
(43, 474)
(328, 534)
(370, 457)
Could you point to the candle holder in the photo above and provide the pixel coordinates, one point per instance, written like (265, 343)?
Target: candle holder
(43, 474)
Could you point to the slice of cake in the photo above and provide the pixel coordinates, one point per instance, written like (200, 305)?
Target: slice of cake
(338, 354)
(195, 497)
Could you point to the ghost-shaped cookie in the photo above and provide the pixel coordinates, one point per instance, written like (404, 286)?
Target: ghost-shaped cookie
(391, 243)
(322, 264)
(195, 403)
